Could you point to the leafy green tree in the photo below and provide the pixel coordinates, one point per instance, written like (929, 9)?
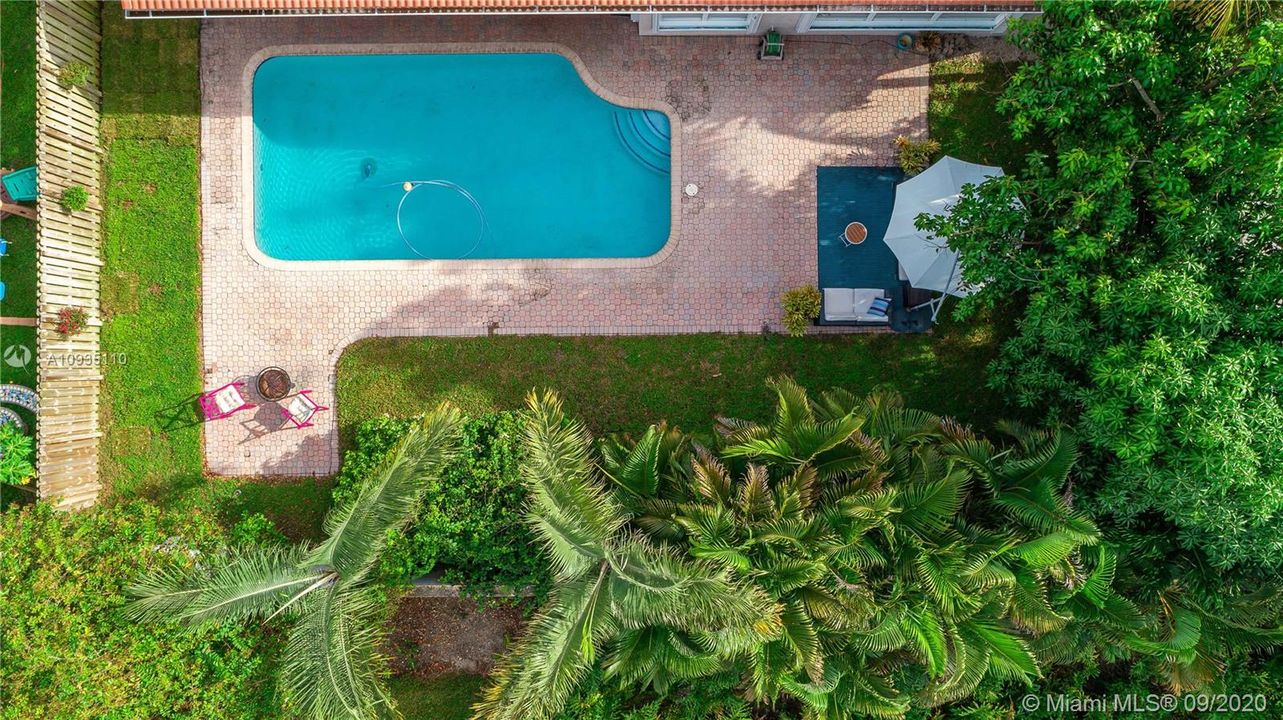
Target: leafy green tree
(330, 666)
(1147, 246)
(615, 589)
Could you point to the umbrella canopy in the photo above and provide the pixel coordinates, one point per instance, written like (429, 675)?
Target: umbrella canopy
(927, 260)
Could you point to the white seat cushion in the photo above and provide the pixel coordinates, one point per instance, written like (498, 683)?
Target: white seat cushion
(301, 408)
(229, 399)
(852, 304)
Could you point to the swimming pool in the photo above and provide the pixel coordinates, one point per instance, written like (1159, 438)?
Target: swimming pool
(452, 156)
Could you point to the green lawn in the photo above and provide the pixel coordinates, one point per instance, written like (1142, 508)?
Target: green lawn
(448, 697)
(961, 113)
(625, 383)
(17, 150)
(151, 245)
(18, 102)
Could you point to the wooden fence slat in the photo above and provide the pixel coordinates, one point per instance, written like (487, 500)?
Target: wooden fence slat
(68, 253)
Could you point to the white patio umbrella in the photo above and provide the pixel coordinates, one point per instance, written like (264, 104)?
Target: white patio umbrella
(926, 259)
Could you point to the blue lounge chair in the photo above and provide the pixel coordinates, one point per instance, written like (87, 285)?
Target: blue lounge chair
(1, 290)
(4, 247)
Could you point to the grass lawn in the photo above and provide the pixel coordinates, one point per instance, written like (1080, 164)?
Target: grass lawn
(151, 283)
(151, 245)
(961, 112)
(18, 102)
(622, 384)
(448, 697)
(17, 150)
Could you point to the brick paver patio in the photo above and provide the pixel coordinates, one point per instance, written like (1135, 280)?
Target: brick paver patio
(751, 135)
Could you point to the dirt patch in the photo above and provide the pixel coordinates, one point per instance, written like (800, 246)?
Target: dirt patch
(435, 636)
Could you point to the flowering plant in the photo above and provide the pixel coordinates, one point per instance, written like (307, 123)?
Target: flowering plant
(71, 320)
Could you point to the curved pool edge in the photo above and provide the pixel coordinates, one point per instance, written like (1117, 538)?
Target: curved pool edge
(246, 140)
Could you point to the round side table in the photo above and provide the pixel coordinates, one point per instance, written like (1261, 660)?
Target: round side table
(855, 233)
(273, 383)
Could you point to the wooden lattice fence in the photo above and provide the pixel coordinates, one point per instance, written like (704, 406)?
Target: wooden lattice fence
(69, 260)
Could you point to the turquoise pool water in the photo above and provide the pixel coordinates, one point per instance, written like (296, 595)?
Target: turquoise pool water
(508, 156)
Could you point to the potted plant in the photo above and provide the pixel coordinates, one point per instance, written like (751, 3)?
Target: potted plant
(915, 155)
(71, 320)
(801, 307)
(75, 199)
(73, 74)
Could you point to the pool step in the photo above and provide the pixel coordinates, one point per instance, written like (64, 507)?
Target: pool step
(647, 136)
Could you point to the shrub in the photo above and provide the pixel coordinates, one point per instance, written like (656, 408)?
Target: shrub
(915, 155)
(256, 529)
(704, 698)
(72, 320)
(73, 74)
(67, 649)
(16, 452)
(75, 199)
(801, 306)
(472, 525)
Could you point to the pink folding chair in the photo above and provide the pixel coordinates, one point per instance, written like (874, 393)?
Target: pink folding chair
(301, 408)
(224, 402)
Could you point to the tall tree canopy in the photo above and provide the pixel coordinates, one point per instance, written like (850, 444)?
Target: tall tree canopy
(852, 557)
(1148, 244)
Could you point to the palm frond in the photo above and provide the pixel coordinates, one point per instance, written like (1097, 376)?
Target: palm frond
(331, 666)
(709, 476)
(637, 470)
(658, 657)
(793, 408)
(1009, 656)
(800, 636)
(1043, 552)
(571, 511)
(753, 501)
(560, 646)
(926, 507)
(243, 584)
(388, 500)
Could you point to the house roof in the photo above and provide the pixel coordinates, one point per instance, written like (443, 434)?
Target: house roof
(446, 6)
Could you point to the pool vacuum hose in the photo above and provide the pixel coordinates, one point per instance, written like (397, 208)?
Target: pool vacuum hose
(410, 186)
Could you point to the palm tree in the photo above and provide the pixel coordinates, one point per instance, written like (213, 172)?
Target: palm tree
(331, 667)
(1226, 16)
(616, 590)
(857, 518)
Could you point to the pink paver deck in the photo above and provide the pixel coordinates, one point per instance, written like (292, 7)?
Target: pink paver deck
(751, 135)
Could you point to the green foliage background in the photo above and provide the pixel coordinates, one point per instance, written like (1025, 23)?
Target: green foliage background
(471, 524)
(1146, 243)
(67, 650)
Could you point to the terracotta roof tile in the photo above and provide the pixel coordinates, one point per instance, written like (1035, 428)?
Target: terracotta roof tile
(358, 6)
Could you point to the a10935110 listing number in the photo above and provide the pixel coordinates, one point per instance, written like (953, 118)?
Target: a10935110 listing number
(85, 359)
